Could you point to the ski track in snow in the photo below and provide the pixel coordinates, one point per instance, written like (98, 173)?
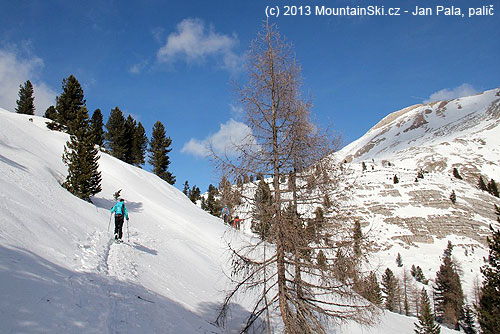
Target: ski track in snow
(116, 261)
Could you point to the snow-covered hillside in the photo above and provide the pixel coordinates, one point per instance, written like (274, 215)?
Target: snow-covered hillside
(416, 216)
(60, 272)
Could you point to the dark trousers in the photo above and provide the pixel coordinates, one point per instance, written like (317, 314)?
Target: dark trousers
(118, 226)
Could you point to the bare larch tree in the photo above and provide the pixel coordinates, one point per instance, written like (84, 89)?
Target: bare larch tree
(292, 154)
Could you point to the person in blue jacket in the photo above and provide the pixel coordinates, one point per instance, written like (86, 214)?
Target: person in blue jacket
(225, 214)
(120, 211)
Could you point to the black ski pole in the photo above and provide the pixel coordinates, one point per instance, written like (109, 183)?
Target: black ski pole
(128, 233)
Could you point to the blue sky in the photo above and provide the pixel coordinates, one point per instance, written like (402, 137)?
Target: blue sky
(175, 61)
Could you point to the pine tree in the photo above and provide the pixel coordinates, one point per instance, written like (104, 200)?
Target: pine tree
(481, 184)
(261, 221)
(426, 324)
(420, 174)
(449, 294)
(395, 179)
(81, 156)
(115, 134)
(399, 260)
(468, 323)
(363, 166)
(185, 190)
(51, 113)
(390, 289)
(69, 103)
(371, 289)
(96, 127)
(492, 188)
(159, 149)
(140, 145)
(130, 126)
(212, 205)
(419, 276)
(489, 302)
(453, 197)
(358, 236)
(194, 194)
(457, 174)
(25, 104)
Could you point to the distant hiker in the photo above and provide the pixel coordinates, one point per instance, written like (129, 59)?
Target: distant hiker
(225, 214)
(237, 222)
(120, 211)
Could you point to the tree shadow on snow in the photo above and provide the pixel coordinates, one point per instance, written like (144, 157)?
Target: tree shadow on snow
(108, 204)
(145, 249)
(13, 163)
(235, 320)
(39, 296)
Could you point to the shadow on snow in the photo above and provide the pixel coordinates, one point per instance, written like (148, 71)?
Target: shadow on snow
(39, 296)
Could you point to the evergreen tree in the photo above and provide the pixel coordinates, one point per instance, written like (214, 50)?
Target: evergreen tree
(212, 205)
(321, 260)
(426, 324)
(185, 190)
(457, 174)
(140, 145)
(399, 260)
(419, 276)
(413, 271)
(492, 188)
(25, 104)
(81, 156)
(358, 235)
(489, 302)
(371, 289)
(261, 222)
(468, 323)
(420, 174)
(395, 179)
(69, 103)
(453, 197)
(481, 184)
(390, 289)
(96, 127)
(363, 166)
(194, 194)
(51, 113)
(129, 134)
(449, 294)
(159, 149)
(115, 134)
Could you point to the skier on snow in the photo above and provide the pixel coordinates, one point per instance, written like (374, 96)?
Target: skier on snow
(225, 214)
(120, 211)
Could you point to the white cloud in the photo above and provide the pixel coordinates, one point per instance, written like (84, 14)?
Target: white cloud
(454, 93)
(139, 67)
(14, 72)
(194, 42)
(226, 141)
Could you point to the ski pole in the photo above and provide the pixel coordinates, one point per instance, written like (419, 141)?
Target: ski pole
(128, 233)
(110, 215)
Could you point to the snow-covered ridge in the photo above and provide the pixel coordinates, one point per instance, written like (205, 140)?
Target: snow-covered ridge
(416, 216)
(437, 135)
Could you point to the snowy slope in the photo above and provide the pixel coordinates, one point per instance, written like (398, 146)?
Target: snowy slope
(60, 272)
(416, 218)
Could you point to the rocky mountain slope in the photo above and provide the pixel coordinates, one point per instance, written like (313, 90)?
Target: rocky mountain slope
(416, 216)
